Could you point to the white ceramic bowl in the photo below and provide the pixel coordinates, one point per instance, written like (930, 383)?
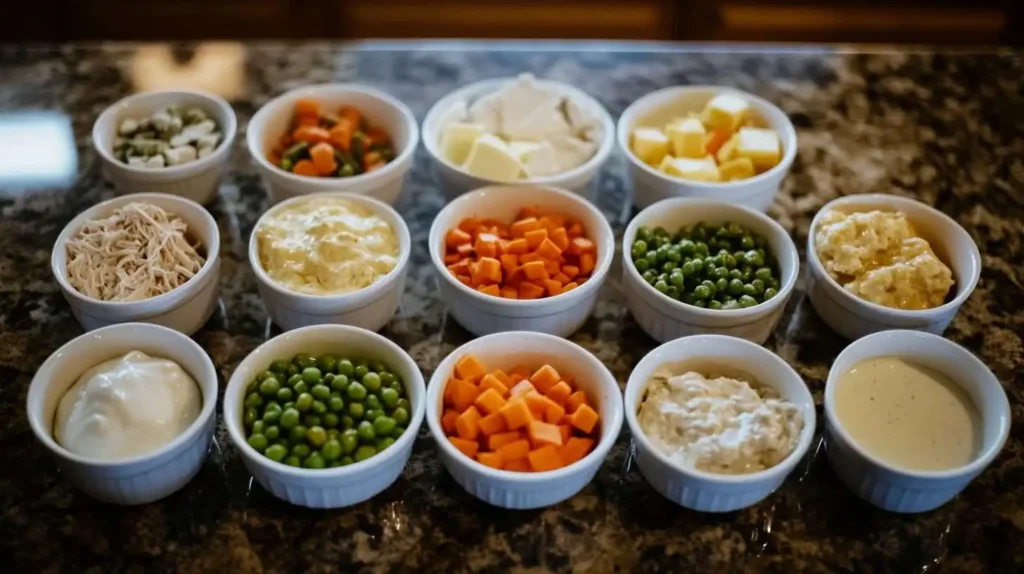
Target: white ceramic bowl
(139, 479)
(184, 309)
(706, 491)
(884, 485)
(658, 108)
(520, 490)
(331, 487)
(370, 308)
(664, 318)
(380, 109)
(455, 181)
(853, 317)
(483, 314)
(198, 180)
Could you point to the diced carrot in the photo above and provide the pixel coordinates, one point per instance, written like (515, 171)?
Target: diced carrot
(559, 392)
(307, 107)
(492, 290)
(518, 465)
(377, 136)
(470, 224)
(536, 237)
(491, 459)
(449, 388)
(542, 433)
(529, 211)
(515, 278)
(306, 167)
(566, 431)
(467, 447)
(491, 382)
(552, 287)
(569, 378)
(530, 258)
(468, 424)
(518, 246)
(503, 246)
(529, 290)
(569, 286)
(535, 270)
(537, 403)
(465, 250)
(469, 368)
(491, 424)
(574, 230)
(560, 237)
(373, 160)
(460, 267)
(544, 378)
(451, 259)
(516, 378)
(574, 401)
(488, 270)
(715, 140)
(340, 136)
(465, 279)
(570, 271)
(548, 250)
(575, 449)
(489, 401)
(587, 262)
(496, 441)
(584, 418)
(351, 114)
(486, 245)
(554, 412)
(456, 237)
(509, 262)
(544, 459)
(552, 267)
(509, 292)
(521, 388)
(311, 134)
(464, 394)
(520, 227)
(516, 450)
(308, 120)
(580, 245)
(448, 421)
(561, 278)
(552, 222)
(517, 414)
(523, 370)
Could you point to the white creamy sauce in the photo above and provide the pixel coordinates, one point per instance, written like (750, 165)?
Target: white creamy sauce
(126, 407)
(907, 415)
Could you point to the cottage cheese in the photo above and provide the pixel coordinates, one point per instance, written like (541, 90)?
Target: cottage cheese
(718, 425)
(878, 256)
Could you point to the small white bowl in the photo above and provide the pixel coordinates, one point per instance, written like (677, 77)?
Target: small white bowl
(185, 309)
(664, 318)
(198, 180)
(853, 317)
(658, 108)
(483, 314)
(455, 181)
(380, 109)
(330, 487)
(707, 491)
(521, 490)
(898, 490)
(139, 479)
(369, 308)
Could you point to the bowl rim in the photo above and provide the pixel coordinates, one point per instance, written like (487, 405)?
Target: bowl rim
(212, 250)
(236, 386)
(607, 380)
(988, 379)
(371, 291)
(209, 374)
(736, 188)
(846, 299)
(682, 203)
(783, 467)
(483, 87)
(607, 238)
(261, 116)
(219, 153)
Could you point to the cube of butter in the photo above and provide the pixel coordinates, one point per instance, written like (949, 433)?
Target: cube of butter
(760, 145)
(490, 158)
(727, 151)
(739, 168)
(703, 169)
(457, 139)
(687, 138)
(650, 145)
(726, 111)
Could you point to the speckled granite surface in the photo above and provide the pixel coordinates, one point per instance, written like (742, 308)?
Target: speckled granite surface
(948, 129)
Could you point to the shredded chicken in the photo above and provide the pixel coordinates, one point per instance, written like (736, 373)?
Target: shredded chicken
(139, 251)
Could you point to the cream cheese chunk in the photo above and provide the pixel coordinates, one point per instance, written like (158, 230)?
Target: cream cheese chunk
(491, 158)
(457, 139)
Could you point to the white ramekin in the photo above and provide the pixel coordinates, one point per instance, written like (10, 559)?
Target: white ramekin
(520, 490)
(274, 118)
(455, 181)
(706, 491)
(198, 180)
(853, 317)
(370, 308)
(143, 478)
(664, 318)
(184, 309)
(884, 485)
(483, 314)
(329, 487)
(658, 108)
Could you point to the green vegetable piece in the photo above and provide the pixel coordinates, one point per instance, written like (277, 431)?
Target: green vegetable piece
(401, 415)
(769, 293)
(642, 265)
(311, 375)
(249, 417)
(383, 443)
(365, 431)
(300, 387)
(371, 381)
(301, 450)
(661, 286)
(327, 363)
(360, 371)
(749, 290)
(639, 249)
(364, 452)
(404, 404)
(331, 450)
(753, 258)
(258, 442)
(349, 441)
(372, 414)
(304, 402)
(747, 301)
(331, 420)
(314, 461)
(297, 433)
(272, 433)
(643, 233)
(340, 383)
(389, 397)
(294, 380)
(372, 402)
(311, 420)
(276, 452)
(736, 287)
(271, 416)
(279, 366)
(292, 370)
(321, 392)
(346, 170)
(356, 410)
(319, 408)
(345, 367)
(701, 292)
(293, 461)
(264, 376)
(304, 360)
(383, 426)
(257, 427)
(317, 436)
(284, 394)
(298, 151)
(289, 418)
(399, 429)
(356, 391)
(253, 400)
(347, 422)
(335, 404)
(713, 304)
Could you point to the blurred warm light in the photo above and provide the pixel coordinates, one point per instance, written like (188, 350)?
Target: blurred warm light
(37, 149)
(217, 67)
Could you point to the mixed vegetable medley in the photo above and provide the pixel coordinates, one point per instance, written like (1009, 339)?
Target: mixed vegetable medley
(172, 136)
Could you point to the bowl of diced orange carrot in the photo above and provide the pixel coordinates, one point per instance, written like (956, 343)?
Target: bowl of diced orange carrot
(333, 137)
(523, 419)
(521, 258)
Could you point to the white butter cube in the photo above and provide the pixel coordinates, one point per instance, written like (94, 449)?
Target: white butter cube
(739, 168)
(457, 139)
(726, 111)
(687, 138)
(490, 158)
(572, 152)
(704, 169)
(650, 145)
(760, 145)
(541, 160)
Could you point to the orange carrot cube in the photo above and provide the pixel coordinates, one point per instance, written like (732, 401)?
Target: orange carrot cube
(448, 421)
(468, 424)
(464, 395)
(544, 459)
(521, 465)
(536, 237)
(574, 401)
(560, 392)
(491, 382)
(521, 388)
(491, 424)
(584, 418)
(491, 459)
(554, 412)
(497, 440)
(542, 433)
(456, 237)
(560, 237)
(489, 401)
(575, 449)
(547, 249)
(467, 447)
(517, 414)
(544, 378)
(516, 450)
(468, 368)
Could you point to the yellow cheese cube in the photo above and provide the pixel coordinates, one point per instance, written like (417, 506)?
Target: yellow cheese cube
(726, 111)
(760, 145)
(650, 145)
(739, 168)
(457, 139)
(727, 151)
(687, 138)
(665, 163)
(703, 169)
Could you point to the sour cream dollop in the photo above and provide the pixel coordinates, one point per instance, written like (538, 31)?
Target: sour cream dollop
(125, 407)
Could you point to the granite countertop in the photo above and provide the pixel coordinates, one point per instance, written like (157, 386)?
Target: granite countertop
(944, 128)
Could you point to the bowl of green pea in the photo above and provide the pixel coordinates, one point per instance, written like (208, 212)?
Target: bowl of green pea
(325, 416)
(694, 266)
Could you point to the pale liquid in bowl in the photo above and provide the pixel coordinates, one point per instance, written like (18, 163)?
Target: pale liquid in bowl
(906, 415)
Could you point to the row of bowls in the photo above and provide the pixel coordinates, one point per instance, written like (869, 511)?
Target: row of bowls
(200, 180)
(155, 475)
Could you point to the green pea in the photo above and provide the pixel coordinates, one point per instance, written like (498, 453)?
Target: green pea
(258, 442)
(669, 266)
(365, 431)
(674, 255)
(720, 273)
(314, 461)
(401, 415)
(311, 420)
(294, 380)
(356, 410)
(736, 287)
(349, 441)
(297, 433)
(320, 391)
(331, 420)
(304, 360)
(378, 366)
(639, 249)
(317, 436)
(264, 376)
(730, 305)
(735, 274)
(293, 461)
(747, 301)
(749, 291)
(300, 387)
(335, 404)
(387, 378)
(721, 284)
(347, 422)
(652, 258)
(360, 371)
(711, 286)
(327, 363)
(371, 381)
(389, 397)
(747, 242)
(345, 367)
(404, 404)
(372, 414)
(754, 259)
(383, 425)
(383, 443)
(333, 434)
(701, 303)
(769, 293)
(701, 292)
(289, 418)
(258, 426)
(284, 394)
(279, 366)
(276, 452)
(673, 292)
(728, 261)
(271, 416)
(253, 400)
(311, 375)
(746, 273)
(701, 249)
(644, 233)
(270, 386)
(292, 370)
(773, 284)
(714, 304)
(758, 286)
(698, 265)
(301, 450)
(249, 417)
(272, 433)
(304, 402)
(398, 387)
(661, 286)
(331, 450)
(340, 383)
(373, 402)
(642, 265)
(357, 391)
(319, 408)
(763, 273)
(364, 452)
